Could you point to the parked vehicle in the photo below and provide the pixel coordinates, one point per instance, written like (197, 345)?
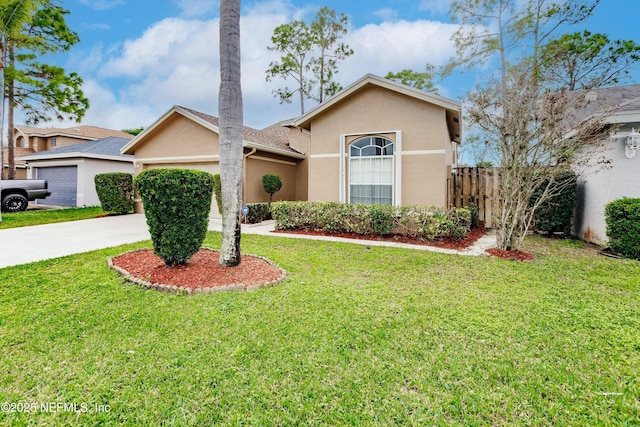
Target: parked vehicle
(17, 193)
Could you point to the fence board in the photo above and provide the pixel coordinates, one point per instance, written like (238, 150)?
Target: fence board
(478, 186)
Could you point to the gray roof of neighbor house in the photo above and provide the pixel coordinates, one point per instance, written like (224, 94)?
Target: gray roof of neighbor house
(621, 99)
(106, 148)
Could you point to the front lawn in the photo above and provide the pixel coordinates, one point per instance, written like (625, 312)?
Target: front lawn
(39, 217)
(355, 335)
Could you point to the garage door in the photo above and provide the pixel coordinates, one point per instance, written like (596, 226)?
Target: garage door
(212, 168)
(63, 185)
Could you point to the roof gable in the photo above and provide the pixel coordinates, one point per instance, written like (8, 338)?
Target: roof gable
(304, 120)
(268, 139)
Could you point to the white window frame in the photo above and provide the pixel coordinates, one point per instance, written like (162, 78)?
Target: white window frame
(397, 164)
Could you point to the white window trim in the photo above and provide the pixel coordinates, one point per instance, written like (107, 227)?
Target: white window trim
(397, 172)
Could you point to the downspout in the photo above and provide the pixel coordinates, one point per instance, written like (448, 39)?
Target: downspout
(244, 174)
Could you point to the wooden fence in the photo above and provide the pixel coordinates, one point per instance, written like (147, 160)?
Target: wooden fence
(479, 186)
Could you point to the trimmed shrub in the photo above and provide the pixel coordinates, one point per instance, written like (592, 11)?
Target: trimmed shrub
(217, 191)
(623, 227)
(176, 204)
(258, 212)
(115, 191)
(556, 214)
(409, 221)
(271, 184)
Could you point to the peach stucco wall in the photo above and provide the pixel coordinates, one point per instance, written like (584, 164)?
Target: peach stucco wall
(374, 109)
(178, 136)
(255, 169)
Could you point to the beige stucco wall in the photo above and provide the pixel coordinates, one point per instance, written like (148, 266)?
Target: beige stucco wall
(178, 137)
(300, 140)
(256, 168)
(373, 110)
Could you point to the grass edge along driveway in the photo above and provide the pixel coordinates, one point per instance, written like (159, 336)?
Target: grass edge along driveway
(48, 216)
(354, 336)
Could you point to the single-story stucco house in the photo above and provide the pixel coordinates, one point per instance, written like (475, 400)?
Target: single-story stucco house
(376, 142)
(70, 170)
(602, 185)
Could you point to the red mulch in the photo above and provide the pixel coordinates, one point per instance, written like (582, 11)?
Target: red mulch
(513, 255)
(456, 244)
(201, 271)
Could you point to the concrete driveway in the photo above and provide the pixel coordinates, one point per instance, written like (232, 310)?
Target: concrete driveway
(28, 244)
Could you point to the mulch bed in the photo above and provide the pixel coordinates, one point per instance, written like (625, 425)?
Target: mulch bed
(455, 244)
(201, 273)
(512, 255)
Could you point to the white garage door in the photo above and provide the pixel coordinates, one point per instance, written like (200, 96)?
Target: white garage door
(212, 168)
(63, 184)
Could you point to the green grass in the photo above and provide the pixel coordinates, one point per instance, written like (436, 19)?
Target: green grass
(354, 336)
(39, 217)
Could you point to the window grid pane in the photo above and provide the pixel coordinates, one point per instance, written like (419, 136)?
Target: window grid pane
(371, 171)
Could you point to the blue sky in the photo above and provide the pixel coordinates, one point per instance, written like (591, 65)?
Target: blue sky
(140, 57)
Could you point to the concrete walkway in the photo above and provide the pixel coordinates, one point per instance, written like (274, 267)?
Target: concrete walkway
(29, 244)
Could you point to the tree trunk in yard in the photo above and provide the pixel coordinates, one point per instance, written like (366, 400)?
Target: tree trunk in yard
(11, 152)
(230, 125)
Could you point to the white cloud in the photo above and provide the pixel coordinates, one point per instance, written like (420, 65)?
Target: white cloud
(437, 7)
(197, 8)
(102, 4)
(393, 46)
(176, 61)
(386, 14)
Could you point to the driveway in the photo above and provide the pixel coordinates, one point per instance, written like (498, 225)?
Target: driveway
(29, 244)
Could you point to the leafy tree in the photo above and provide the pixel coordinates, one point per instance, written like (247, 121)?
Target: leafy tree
(134, 131)
(271, 184)
(13, 15)
(230, 106)
(327, 29)
(42, 91)
(311, 54)
(419, 80)
(524, 111)
(585, 60)
(294, 41)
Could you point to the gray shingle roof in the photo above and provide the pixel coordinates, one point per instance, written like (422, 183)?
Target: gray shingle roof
(619, 98)
(101, 147)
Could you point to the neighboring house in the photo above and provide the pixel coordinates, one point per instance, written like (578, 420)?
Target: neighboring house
(376, 142)
(70, 170)
(621, 177)
(27, 140)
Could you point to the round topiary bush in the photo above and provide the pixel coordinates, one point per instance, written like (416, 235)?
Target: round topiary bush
(115, 192)
(271, 184)
(176, 204)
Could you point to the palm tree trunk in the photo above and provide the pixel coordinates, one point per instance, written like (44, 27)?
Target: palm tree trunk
(11, 152)
(230, 125)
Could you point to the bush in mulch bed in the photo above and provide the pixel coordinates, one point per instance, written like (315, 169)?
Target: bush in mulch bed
(176, 205)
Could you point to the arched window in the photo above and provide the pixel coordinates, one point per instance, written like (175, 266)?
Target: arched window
(371, 171)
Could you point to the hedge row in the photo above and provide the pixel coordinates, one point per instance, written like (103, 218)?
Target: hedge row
(410, 221)
(115, 192)
(623, 227)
